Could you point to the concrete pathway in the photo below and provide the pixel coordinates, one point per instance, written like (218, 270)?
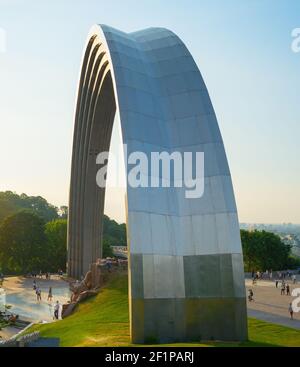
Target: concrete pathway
(21, 296)
(274, 319)
(269, 305)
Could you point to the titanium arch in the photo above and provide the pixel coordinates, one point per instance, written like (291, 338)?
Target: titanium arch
(185, 259)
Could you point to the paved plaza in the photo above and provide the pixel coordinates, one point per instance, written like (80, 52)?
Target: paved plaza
(22, 298)
(269, 305)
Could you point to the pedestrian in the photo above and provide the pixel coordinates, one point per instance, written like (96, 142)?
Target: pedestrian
(34, 284)
(294, 279)
(108, 264)
(38, 294)
(56, 310)
(282, 288)
(276, 283)
(288, 290)
(250, 296)
(50, 296)
(291, 311)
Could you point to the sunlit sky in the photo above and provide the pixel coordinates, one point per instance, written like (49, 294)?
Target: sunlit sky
(243, 49)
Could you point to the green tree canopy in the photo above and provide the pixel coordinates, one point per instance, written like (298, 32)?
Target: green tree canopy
(264, 250)
(11, 203)
(23, 244)
(56, 233)
(113, 232)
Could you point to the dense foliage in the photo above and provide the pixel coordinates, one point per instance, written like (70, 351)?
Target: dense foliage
(56, 234)
(11, 203)
(264, 250)
(23, 245)
(114, 234)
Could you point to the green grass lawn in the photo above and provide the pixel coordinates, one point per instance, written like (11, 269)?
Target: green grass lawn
(104, 321)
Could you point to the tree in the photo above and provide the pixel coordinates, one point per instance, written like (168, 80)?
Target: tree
(23, 246)
(113, 232)
(11, 203)
(264, 250)
(41, 207)
(107, 249)
(56, 234)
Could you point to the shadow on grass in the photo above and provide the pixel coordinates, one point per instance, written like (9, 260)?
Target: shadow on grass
(219, 344)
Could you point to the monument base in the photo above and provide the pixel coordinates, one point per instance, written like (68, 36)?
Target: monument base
(187, 320)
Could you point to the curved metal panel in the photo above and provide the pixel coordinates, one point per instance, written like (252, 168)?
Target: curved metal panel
(185, 258)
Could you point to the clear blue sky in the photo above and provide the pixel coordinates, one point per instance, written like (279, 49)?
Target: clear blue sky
(243, 49)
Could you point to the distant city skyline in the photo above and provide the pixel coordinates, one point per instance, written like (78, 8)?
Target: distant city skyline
(243, 50)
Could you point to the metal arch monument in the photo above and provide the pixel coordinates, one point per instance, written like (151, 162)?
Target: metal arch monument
(186, 278)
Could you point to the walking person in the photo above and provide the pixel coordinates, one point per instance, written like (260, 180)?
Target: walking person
(56, 310)
(276, 283)
(250, 295)
(282, 288)
(38, 294)
(50, 296)
(288, 290)
(294, 279)
(291, 311)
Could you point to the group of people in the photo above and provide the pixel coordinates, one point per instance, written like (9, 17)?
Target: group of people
(38, 292)
(284, 288)
(280, 281)
(40, 275)
(289, 275)
(268, 274)
(111, 262)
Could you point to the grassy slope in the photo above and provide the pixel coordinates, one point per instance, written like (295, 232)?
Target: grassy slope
(103, 321)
